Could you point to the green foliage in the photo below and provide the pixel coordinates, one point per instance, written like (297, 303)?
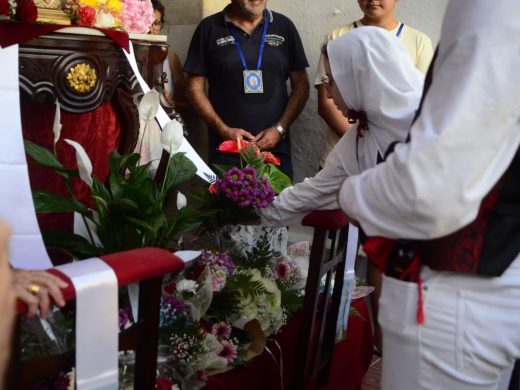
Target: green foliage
(246, 284)
(279, 180)
(130, 208)
(259, 256)
(292, 301)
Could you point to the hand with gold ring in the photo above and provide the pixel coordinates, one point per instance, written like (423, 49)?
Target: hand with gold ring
(36, 289)
(33, 288)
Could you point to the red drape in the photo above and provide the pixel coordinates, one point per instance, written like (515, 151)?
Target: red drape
(97, 131)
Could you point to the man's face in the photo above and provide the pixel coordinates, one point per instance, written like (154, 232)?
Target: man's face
(252, 8)
(376, 9)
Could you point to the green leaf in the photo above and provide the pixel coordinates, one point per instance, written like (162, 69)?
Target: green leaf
(180, 169)
(70, 243)
(46, 202)
(140, 223)
(291, 300)
(45, 158)
(277, 178)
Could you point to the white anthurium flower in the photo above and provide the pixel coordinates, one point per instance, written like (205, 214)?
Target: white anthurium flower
(171, 136)
(149, 105)
(56, 127)
(181, 200)
(84, 163)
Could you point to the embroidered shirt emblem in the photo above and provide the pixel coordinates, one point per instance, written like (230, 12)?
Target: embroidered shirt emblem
(225, 41)
(274, 40)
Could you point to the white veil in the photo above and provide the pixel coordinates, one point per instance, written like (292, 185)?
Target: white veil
(375, 74)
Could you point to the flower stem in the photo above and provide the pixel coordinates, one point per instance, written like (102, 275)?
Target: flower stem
(90, 235)
(167, 170)
(142, 140)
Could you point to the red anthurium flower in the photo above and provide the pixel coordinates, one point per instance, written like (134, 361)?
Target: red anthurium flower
(270, 158)
(232, 146)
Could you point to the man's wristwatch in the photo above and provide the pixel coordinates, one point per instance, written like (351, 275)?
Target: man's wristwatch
(279, 128)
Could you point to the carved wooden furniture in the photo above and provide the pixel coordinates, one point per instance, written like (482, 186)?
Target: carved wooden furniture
(83, 72)
(321, 308)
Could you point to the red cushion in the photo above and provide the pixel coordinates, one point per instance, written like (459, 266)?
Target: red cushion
(326, 219)
(130, 267)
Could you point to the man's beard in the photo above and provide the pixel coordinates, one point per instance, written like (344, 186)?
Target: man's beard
(253, 12)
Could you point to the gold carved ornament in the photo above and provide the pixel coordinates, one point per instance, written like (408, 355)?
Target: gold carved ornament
(82, 78)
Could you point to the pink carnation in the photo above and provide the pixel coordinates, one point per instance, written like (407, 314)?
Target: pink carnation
(136, 16)
(86, 16)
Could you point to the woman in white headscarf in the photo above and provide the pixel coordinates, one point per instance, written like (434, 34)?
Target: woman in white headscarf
(372, 80)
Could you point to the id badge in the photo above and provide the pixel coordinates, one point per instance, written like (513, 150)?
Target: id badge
(253, 82)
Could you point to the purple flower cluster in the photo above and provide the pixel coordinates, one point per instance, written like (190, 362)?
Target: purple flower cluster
(216, 261)
(171, 308)
(125, 317)
(245, 188)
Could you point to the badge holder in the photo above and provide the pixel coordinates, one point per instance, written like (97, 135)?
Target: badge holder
(253, 81)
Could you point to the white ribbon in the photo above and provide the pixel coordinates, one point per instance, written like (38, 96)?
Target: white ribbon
(203, 171)
(349, 280)
(16, 204)
(97, 323)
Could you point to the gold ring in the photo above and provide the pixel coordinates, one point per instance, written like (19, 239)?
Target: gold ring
(33, 288)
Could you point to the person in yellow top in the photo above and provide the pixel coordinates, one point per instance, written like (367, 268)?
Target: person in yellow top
(378, 13)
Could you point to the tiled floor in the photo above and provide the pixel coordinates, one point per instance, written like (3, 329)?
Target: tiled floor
(372, 379)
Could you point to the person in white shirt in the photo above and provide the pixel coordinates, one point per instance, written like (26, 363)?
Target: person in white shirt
(368, 71)
(465, 139)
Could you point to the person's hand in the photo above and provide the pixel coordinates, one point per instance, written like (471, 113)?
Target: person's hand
(7, 299)
(268, 138)
(36, 288)
(232, 133)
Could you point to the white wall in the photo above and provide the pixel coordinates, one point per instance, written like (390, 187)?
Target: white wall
(314, 20)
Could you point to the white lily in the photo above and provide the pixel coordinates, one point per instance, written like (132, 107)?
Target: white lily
(181, 200)
(149, 105)
(172, 136)
(84, 163)
(56, 127)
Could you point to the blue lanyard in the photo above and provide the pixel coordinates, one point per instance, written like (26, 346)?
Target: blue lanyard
(262, 44)
(397, 34)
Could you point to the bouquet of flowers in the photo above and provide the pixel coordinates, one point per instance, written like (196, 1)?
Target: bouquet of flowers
(21, 10)
(133, 16)
(239, 191)
(250, 298)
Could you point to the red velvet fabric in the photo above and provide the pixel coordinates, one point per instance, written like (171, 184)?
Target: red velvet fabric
(14, 32)
(326, 219)
(97, 131)
(350, 362)
(129, 267)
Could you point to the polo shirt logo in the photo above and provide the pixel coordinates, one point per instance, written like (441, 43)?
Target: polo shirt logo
(274, 40)
(225, 41)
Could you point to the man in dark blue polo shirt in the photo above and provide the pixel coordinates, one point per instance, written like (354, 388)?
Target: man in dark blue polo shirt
(247, 53)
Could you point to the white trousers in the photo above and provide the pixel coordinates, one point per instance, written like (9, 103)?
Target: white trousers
(470, 338)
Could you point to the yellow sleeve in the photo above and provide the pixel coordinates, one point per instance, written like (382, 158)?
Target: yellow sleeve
(424, 53)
